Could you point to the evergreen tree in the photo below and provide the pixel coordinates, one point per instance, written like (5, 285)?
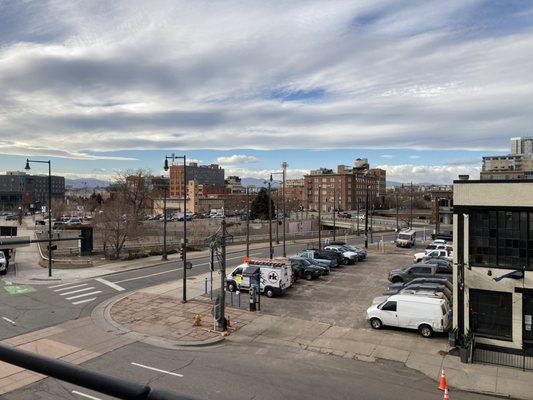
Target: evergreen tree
(259, 206)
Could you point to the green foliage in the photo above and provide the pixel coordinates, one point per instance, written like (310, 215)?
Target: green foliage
(259, 206)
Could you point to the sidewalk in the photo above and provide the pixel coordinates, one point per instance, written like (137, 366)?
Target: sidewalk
(165, 317)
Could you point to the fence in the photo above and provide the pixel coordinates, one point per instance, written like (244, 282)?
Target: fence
(516, 359)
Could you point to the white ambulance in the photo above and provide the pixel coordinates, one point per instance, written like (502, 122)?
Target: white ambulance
(275, 276)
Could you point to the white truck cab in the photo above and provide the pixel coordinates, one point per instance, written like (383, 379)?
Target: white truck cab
(427, 314)
(441, 253)
(276, 276)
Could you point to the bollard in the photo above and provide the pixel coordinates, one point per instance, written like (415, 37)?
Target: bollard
(239, 298)
(205, 286)
(231, 299)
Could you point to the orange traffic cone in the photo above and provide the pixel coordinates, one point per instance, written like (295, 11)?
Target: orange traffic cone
(442, 381)
(446, 397)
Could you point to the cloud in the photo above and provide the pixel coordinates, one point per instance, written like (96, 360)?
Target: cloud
(292, 173)
(22, 149)
(387, 156)
(414, 157)
(130, 75)
(237, 159)
(429, 173)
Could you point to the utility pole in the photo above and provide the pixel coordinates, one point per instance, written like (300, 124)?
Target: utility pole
(222, 322)
(319, 217)
(366, 217)
(357, 215)
(284, 166)
(437, 216)
(164, 257)
(334, 210)
(411, 207)
(271, 249)
(397, 224)
(277, 215)
(247, 221)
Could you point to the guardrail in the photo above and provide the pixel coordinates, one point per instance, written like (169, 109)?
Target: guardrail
(105, 384)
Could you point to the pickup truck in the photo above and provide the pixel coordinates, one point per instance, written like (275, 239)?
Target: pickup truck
(442, 254)
(324, 259)
(407, 274)
(348, 256)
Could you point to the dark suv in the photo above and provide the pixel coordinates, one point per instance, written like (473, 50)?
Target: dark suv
(305, 269)
(420, 271)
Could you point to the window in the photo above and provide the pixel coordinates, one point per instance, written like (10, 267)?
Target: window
(389, 306)
(238, 271)
(501, 238)
(441, 269)
(420, 270)
(491, 314)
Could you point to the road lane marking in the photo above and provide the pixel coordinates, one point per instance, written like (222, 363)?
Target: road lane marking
(83, 301)
(9, 320)
(77, 291)
(157, 370)
(70, 287)
(173, 270)
(63, 284)
(83, 295)
(110, 284)
(87, 396)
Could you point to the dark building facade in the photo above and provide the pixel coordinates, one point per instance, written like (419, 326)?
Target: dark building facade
(18, 189)
(208, 175)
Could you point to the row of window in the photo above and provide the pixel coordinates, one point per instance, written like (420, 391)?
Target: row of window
(501, 239)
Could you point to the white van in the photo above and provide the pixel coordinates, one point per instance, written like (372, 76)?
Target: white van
(406, 238)
(276, 276)
(426, 314)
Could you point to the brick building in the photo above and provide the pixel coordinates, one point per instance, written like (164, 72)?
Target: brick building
(346, 188)
(209, 175)
(18, 189)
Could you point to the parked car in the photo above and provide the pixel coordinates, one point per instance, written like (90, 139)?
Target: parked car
(348, 256)
(440, 281)
(324, 269)
(304, 269)
(441, 254)
(3, 263)
(406, 238)
(74, 221)
(361, 253)
(426, 314)
(421, 287)
(58, 224)
(40, 222)
(326, 260)
(419, 271)
(334, 255)
(438, 261)
(343, 214)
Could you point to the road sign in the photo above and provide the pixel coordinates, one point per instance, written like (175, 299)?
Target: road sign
(19, 289)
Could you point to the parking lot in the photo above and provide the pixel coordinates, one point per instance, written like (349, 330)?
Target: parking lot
(342, 297)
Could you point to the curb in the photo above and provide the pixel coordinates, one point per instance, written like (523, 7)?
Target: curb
(101, 316)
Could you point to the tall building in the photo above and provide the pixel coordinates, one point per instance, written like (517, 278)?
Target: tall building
(492, 268)
(18, 189)
(209, 175)
(522, 145)
(347, 188)
(517, 165)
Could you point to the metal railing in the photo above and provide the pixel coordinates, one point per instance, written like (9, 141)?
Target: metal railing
(105, 384)
(516, 359)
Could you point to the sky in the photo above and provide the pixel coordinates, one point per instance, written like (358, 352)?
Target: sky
(423, 89)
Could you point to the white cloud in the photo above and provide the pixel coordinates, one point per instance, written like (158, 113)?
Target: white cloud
(387, 156)
(292, 173)
(414, 157)
(429, 173)
(237, 159)
(106, 76)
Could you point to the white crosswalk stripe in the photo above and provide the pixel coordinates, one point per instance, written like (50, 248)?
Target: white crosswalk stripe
(83, 301)
(70, 287)
(77, 291)
(83, 295)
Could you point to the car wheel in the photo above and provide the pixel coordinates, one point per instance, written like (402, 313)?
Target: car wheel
(425, 330)
(376, 323)
(269, 292)
(308, 276)
(3, 272)
(232, 287)
(397, 279)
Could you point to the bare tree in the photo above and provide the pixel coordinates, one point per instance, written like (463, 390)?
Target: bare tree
(135, 187)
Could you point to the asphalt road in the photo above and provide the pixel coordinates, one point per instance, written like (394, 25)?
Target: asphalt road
(235, 372)
(54, 303)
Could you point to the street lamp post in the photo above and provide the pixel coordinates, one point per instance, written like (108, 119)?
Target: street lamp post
(277, 215)
(184, 244)
(319, 217)
(164, 256)
(247, 221)
(27, 168)
(334, 209)
(283, 173)
(366, 217)
(411, 207)
(397, 224)
(271, 249)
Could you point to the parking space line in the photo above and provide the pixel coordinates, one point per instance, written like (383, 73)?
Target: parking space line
(83, 301)
(110, 284)
(157, 370)
(87, 396)
(9, 320)
(77, 291)
(70, 287)
(83, 295)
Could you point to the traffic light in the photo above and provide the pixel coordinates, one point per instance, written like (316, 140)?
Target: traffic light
(181, 253)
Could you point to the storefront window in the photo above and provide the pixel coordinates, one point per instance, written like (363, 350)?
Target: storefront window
(491, 314)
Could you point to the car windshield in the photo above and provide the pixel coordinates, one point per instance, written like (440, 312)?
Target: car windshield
(404, 236)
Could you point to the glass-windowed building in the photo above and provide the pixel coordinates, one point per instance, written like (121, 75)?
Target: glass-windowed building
(493, 267)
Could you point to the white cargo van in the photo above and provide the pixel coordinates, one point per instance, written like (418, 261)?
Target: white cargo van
(276, 276)
(426, 314)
